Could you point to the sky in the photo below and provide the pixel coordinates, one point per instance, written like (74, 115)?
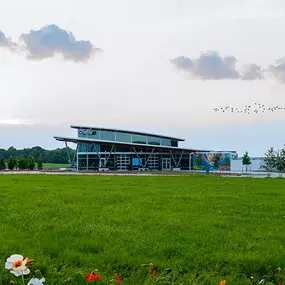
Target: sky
(148, 65)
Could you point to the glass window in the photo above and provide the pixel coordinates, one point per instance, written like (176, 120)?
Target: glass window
(165, 142)
(81, 147)
(93, 148)
(107, 136)
(123, 137)
(153, 140)
(139, 139)
(174, 143)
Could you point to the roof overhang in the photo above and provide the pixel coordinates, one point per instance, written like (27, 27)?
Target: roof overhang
(126, 131)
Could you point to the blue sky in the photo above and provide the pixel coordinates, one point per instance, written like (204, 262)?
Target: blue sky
(108, 63)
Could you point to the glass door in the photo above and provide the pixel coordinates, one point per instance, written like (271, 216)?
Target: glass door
(166, 164)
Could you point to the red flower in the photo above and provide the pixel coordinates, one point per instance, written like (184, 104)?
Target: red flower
(91, 277)
(118, 278)
(153, 273)
(97, 276)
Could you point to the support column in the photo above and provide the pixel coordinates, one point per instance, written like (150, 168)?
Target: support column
(68, 154)
(148, 158)
(87, 158)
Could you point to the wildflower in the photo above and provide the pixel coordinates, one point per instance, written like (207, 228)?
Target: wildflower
(12, 282)
(279, 269)
(17, 264)
(153, 273)
(36, 281)
(91, 277)
(118, 278)
(223, 282)
(261, 281)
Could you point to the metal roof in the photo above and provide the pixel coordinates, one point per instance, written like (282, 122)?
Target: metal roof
(87, 140)
(127, 131)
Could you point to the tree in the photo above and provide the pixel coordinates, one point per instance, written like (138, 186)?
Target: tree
(23, 163)
(40, 162)
(31, 163)
(269, 161)
(280, 161)
(11, 163)
(246, 160)
(2, 163)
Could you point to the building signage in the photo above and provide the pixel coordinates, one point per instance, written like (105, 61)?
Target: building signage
(86, 132)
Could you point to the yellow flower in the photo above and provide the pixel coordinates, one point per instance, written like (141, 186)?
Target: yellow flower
(223, 282)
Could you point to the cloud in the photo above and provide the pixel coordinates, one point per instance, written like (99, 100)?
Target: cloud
(251, 72)
(212, 66)
(51, 40)
(278, 70)
(6, 42)
(183, 62)
(16, 121)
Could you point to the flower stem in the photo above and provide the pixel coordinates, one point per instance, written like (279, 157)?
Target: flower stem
(23, 281)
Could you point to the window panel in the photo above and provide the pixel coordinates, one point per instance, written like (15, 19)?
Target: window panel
(174, 143)
(81, 147)
(165, 142)
(153, 140)
(139, 139)
(123, 137)
(107, 136)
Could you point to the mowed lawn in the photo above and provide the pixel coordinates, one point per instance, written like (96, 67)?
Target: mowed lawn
(55, 165)
(204, 229)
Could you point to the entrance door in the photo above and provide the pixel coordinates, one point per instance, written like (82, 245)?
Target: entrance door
(102, 162)
(166, 164)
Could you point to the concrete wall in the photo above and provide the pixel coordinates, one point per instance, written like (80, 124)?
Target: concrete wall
(256, 162)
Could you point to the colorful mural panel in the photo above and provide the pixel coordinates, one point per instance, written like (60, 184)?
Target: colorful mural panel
(212, 161)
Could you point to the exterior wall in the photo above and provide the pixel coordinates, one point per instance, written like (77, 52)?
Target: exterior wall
(212, 161)
(256, 163)
(132, 161)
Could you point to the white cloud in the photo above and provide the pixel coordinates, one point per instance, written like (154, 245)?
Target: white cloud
(211, 65)
(278, 70)
(16, 121)
(6, 42)
(51, 40)
(251, 72)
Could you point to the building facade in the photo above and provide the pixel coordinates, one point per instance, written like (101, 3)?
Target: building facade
(105, 149)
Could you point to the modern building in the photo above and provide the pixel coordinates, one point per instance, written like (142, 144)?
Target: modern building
(106, 149)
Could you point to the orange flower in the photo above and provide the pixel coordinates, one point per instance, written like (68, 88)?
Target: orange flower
(91, 277)
(223, 282)
(118, 278)
(153, 273)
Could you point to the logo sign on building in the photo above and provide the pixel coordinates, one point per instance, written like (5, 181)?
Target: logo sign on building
(85, 132)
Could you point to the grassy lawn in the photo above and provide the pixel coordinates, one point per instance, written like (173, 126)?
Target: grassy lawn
(205, 229)
(55, 165)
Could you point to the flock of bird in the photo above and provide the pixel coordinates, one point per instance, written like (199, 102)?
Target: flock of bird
(256, 108)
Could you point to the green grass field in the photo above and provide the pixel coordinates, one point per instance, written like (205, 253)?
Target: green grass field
(204, 229)
(55, 165)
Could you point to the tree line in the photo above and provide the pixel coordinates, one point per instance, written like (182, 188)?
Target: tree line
(274, 160)
(21, 163)
(59, 155)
